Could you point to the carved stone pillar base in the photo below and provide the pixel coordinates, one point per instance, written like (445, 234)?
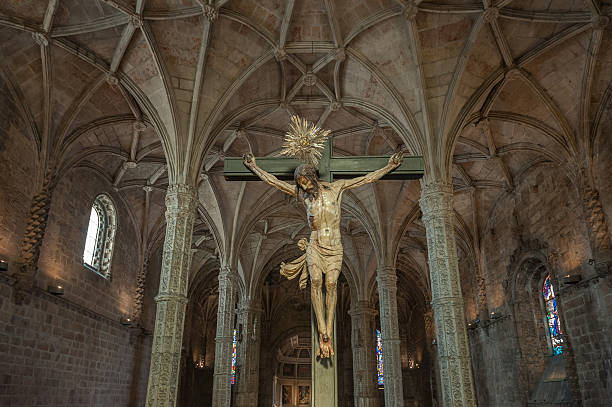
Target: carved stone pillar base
(447, 301)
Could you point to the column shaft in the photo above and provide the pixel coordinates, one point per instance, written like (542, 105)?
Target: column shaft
(247, 384)
(181, 202)
(222, 384)
(392, 367)
(447, 301)
(364, 355)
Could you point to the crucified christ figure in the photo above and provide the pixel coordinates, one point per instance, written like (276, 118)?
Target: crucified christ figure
(324, 251)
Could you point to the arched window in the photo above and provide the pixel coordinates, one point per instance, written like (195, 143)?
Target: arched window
(100, 239)
(552, 316)
(379, 359)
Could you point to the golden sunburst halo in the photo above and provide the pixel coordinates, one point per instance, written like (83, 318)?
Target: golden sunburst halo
(304, 141)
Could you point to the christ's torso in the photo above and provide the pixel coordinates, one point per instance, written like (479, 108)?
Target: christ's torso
(324, 215)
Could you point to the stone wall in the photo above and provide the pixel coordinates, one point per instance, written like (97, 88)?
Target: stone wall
(57, 353)
(70, 350)
(538, 229)
(17, 163)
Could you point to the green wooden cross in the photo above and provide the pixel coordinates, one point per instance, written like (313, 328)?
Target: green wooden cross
(330, 167)
(324, 372)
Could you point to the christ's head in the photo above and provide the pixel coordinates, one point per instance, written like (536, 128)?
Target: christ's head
(306, 180)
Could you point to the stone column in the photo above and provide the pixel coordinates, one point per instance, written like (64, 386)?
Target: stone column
(33, 239)
(447, 301)
(392, 364)
(363, 338)
(249, 327)
(222, 381)
(181, 203)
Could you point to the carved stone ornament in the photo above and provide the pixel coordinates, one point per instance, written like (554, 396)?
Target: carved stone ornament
(513, 74)
(41, 39)
(490, 14)
(112, 80)
(209, 11)
(310, 79)
(280, 54)
(335, 106)
(136, 20)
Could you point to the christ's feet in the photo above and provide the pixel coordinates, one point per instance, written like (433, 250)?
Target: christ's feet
(325, 347)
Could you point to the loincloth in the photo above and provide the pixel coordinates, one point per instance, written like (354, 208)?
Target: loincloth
(327, 258)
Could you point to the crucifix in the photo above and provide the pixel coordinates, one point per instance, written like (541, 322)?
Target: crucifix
(320, 181)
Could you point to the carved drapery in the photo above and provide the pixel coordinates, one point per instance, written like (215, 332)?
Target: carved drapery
(387, 296)
(447, 301)
(181, 202)
(249, 327)
(222, 385)
(363, 337)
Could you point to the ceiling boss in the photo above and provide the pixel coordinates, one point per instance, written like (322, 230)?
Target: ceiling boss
(322, 200)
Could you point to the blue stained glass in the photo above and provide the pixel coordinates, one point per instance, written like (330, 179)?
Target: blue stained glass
(379, 358)
(234, 357)
(552, 317)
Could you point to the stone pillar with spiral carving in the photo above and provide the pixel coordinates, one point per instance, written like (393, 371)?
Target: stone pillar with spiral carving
(181, 204)
(249, 331)
(447, 301)
(363, 337)
(33, 238)
(598, 227)
(389, 323)
(222, 385)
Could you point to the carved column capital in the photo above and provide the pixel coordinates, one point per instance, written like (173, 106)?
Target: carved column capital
(386, 276)
(362, 308)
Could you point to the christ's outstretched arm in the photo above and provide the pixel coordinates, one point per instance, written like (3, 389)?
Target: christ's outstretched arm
(266, 177)
(394, 162)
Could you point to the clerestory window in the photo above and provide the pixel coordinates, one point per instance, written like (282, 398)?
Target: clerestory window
(100, 238)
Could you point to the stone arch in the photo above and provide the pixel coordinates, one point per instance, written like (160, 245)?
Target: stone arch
(527, 309)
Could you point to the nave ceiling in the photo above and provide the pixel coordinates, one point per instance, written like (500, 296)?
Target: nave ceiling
(146, 93)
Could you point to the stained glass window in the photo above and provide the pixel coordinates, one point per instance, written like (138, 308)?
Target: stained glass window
(234, 356)
(379, 358)
(552, 317)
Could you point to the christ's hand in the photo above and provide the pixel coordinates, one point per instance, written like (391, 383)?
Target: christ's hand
(396, 159)
(248, 160)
